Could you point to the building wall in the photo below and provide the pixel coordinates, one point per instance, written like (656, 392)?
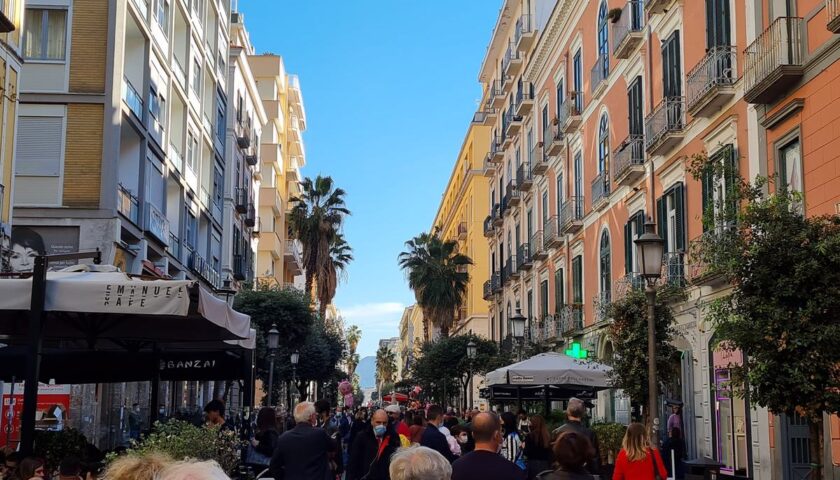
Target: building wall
(10, 66)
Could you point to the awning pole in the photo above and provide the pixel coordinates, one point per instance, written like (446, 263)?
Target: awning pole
(546, 402)
(155, 394)
(33, 355)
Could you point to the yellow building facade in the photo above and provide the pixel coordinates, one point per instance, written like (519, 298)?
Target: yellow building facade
(279, 257)
(460, 217)
(11, 14)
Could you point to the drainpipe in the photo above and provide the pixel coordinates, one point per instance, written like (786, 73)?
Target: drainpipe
(650, 105)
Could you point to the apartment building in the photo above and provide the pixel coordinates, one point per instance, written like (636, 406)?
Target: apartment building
(459, 218)
(279, 259)
(242, 183)
(595, 109)
(11, 15)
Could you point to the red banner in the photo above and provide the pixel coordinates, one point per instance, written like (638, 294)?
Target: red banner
(52, 410)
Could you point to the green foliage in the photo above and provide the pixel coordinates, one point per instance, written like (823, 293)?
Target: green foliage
(184, 441)
(629, 336)
(438, 275)
(554, 419)
(55, 446)
(609, 436)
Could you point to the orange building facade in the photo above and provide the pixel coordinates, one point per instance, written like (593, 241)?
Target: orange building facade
(596, 108)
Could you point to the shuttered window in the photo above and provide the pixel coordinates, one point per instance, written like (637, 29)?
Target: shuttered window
(577, 280)
(671, 68)
(543, 298)
(634, 227)
(634, 97)
(39, 142)
(718, 184)
(670, 208)
(559, 290)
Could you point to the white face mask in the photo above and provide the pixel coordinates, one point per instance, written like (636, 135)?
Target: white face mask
(462, 439)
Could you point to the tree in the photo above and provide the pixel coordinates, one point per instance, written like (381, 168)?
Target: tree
(386, 366)
(438, 275)
(784, 304)
(353, 334)
(340, 257)
(445, 363)
(316, 219)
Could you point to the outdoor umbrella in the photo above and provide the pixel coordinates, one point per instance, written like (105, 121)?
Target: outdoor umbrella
(552, 368)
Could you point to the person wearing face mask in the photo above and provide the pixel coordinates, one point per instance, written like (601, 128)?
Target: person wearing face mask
(462, 435)
(485, 463)
(370, 454)
(303, 451)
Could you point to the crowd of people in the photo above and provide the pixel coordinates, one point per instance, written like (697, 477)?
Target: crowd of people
(317, 442)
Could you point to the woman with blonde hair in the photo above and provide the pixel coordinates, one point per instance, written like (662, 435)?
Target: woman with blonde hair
(638, 460)
(137, 467)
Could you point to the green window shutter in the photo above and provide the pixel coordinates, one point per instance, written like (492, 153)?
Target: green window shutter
(707, 185)
(544, 298)
(559, 298)
(577, 280)
(679, 206)
(662, 220)
(628, 245)
(730, 176)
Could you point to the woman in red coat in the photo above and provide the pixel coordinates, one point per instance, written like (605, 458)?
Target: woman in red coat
(637, 460)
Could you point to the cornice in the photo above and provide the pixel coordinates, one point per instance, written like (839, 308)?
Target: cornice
(549, 36)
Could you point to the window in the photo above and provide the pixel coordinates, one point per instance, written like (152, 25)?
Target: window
(546, 128)
(718, 21)
(45, 34)
(671, 68)
(191, 233)
(559, 290)
(543, 298)
(239, 108)
(603, 41)
(670, 209)
(218, 188)
(530, 146)
(39, 146)
(220, 122)
(635, 107)
(634, 227)
(530, 226)
(578, 185)
(718, 189)
(196, 78)
(605, 265)
(561, 95)
(789, 166)
(577, 280)
(192, 150)
(157, 102)
(161, 9)
(545, 207)
(530, 304)
(559, 192)
(577, 72)
(604, 146)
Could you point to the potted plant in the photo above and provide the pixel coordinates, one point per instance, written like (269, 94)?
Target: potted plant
(614, 14)
(609, 436)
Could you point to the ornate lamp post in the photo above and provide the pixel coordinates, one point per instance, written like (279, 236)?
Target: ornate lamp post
(650, 249)
(471, 352)
(517, 326)
(295, 395)
(273, 341)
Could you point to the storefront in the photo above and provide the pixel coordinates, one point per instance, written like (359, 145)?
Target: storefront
(730, 415)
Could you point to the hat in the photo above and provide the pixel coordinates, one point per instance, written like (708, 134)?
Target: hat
(392, 409)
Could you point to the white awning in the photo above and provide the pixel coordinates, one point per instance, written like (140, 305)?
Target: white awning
(552, 368)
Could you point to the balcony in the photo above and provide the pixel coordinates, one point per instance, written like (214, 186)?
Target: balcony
(157, 224)
(523, 257)
(241, 267)
(571, 215)
(251, 158)
(551, 232)
(513, 270)
(512, 197)
(128, 205)
(569, 116)
(601, 191)
(250, 215)
(601, 305)
(539, 160)
(773, 62)
(498, 219)
(241, 199)
(489, 229)
(133, 100)
(512, 62)
(832, 10)
(496, 93)
(462, 231)
(624, 285)
(524, 180)
(571, 319)
(524, 98)
(702, 271)
(711, 83)
(203, 269)
(486, 117)
(599, 74)
(664, 126)
(555, 143)
(525, 33)
(549, 328)
(488, 290)
(174, 247)
(673, 269)
(243, 136)
(293, 255)
(538, 250)
(656, 6)
(629, 160)
(496, 282)
(488, 169)
(513, 124)
(497, 153)
(627, 32)
(179, 73)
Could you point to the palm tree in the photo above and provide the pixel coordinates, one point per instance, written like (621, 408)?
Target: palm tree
(437, 274)
(316, 220)
(353, 335)
(340, 257)
(386, 367)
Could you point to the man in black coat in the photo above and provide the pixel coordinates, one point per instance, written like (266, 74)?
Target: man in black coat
(370, 453)
(575, 412)
(432, 437)
(303, 452)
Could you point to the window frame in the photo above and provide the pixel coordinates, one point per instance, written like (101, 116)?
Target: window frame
(44, 35)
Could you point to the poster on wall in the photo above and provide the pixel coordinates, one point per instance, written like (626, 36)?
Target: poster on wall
(51, 411)
(28, 242)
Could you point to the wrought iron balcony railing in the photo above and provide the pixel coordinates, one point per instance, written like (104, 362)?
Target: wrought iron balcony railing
(537, 245)
(571, 214)
(571, 319)
(128, 204)
(598, 75)
(714, 75)
(523, 256)
(664, 126)
(552, 235)
(629, 159)
(627, 32)
(774, 60)
(600, 190)
(569, 115)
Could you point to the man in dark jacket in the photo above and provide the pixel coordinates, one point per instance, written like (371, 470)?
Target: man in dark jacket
(370, 454)
(574, 423)
(432, 437)
(303, 452)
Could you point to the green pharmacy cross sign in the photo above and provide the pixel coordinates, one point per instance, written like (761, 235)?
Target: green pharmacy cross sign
(576, 351)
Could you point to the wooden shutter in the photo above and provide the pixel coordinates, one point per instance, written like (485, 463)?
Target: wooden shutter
(577, 280)
(730, 172)
(39, 146)
(559, 293)
(543, 298)
(628, 246)
(708, 188)
(671, 69)
(662, 219)
(679, 207)
(634, 99)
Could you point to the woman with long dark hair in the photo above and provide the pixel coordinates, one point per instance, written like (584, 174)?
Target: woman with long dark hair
(511, 443)
(265, 439)
(537, 447)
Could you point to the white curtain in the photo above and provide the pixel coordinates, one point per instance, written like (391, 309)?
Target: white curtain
(56, 34)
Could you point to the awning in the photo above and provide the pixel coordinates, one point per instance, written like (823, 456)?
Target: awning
(113, 305)
(552, 368)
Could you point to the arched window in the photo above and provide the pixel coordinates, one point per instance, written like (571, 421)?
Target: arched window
(507, 320)
(604, 144)
(605, 278)
(603, 40)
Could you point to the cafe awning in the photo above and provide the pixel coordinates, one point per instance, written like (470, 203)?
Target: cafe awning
(552, 368)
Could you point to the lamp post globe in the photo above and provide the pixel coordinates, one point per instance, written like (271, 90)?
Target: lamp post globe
(471, 349)
(650, 248)
(273, 341)
(295, 357)
(517, 325)
(273, 337)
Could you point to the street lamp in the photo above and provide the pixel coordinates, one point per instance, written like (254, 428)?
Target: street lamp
(517, 326)
(471, 352)
(650, 249)
(294, 393)
(273, 341)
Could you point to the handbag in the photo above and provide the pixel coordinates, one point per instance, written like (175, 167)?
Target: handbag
(254, 457)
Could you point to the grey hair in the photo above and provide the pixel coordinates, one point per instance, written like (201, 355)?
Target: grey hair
(419, 463)
(187, 470)
(576, 408)
(304, 411)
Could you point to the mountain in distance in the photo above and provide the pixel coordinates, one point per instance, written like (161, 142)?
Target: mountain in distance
(366, 370)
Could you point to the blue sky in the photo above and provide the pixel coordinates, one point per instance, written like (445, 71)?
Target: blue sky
(389, 89)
